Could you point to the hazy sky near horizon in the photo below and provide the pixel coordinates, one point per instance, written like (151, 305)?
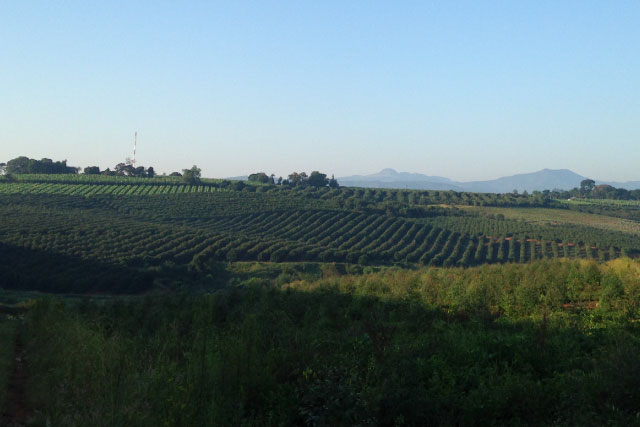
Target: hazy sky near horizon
(462, 89)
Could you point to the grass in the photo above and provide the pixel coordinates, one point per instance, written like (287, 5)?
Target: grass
(17, 298)
(601, 202)
(545, 216)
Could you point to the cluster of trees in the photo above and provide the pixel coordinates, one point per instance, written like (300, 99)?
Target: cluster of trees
(25, 165)
(605, 191)
(122, 169)
(315, 179)
(589, 190)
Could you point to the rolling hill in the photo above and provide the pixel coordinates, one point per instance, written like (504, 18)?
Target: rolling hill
(545, 179)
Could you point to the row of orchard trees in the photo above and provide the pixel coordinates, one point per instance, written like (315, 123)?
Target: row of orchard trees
(315, 179)
(588, 189)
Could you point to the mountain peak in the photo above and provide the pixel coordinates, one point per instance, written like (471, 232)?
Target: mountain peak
(543, 179)
(388, 171)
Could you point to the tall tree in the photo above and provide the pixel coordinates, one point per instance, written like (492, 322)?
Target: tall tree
(317, 179)
(92, 170)
(259, 177)
(120, 168)
(191, 176)
(294, 178)
(586, 186)
(18, 165)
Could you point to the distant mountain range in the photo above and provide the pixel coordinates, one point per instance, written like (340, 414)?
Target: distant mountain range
(545, 179)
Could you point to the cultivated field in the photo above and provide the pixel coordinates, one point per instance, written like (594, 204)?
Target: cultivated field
(237, 304)
(130, 236)
(545, 216)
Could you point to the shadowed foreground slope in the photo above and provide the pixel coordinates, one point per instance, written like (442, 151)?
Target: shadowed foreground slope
(553, 343)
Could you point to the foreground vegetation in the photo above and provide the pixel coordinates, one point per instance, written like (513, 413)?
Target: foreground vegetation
(8, 326)
(546, 343)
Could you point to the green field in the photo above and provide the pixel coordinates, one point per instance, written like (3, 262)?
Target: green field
(225, 304)
(132, 237)
(545, 216)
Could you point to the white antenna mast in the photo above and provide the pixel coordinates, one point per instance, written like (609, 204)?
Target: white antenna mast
(135, 141)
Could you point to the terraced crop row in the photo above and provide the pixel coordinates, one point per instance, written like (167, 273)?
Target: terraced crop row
(272, 236)
(497, 228)
(54, 232)
(347, 197)
(87, 190)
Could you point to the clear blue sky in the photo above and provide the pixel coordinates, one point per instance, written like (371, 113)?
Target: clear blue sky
(467, 90)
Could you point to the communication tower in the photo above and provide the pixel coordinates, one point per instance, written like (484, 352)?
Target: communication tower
(135, 141)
